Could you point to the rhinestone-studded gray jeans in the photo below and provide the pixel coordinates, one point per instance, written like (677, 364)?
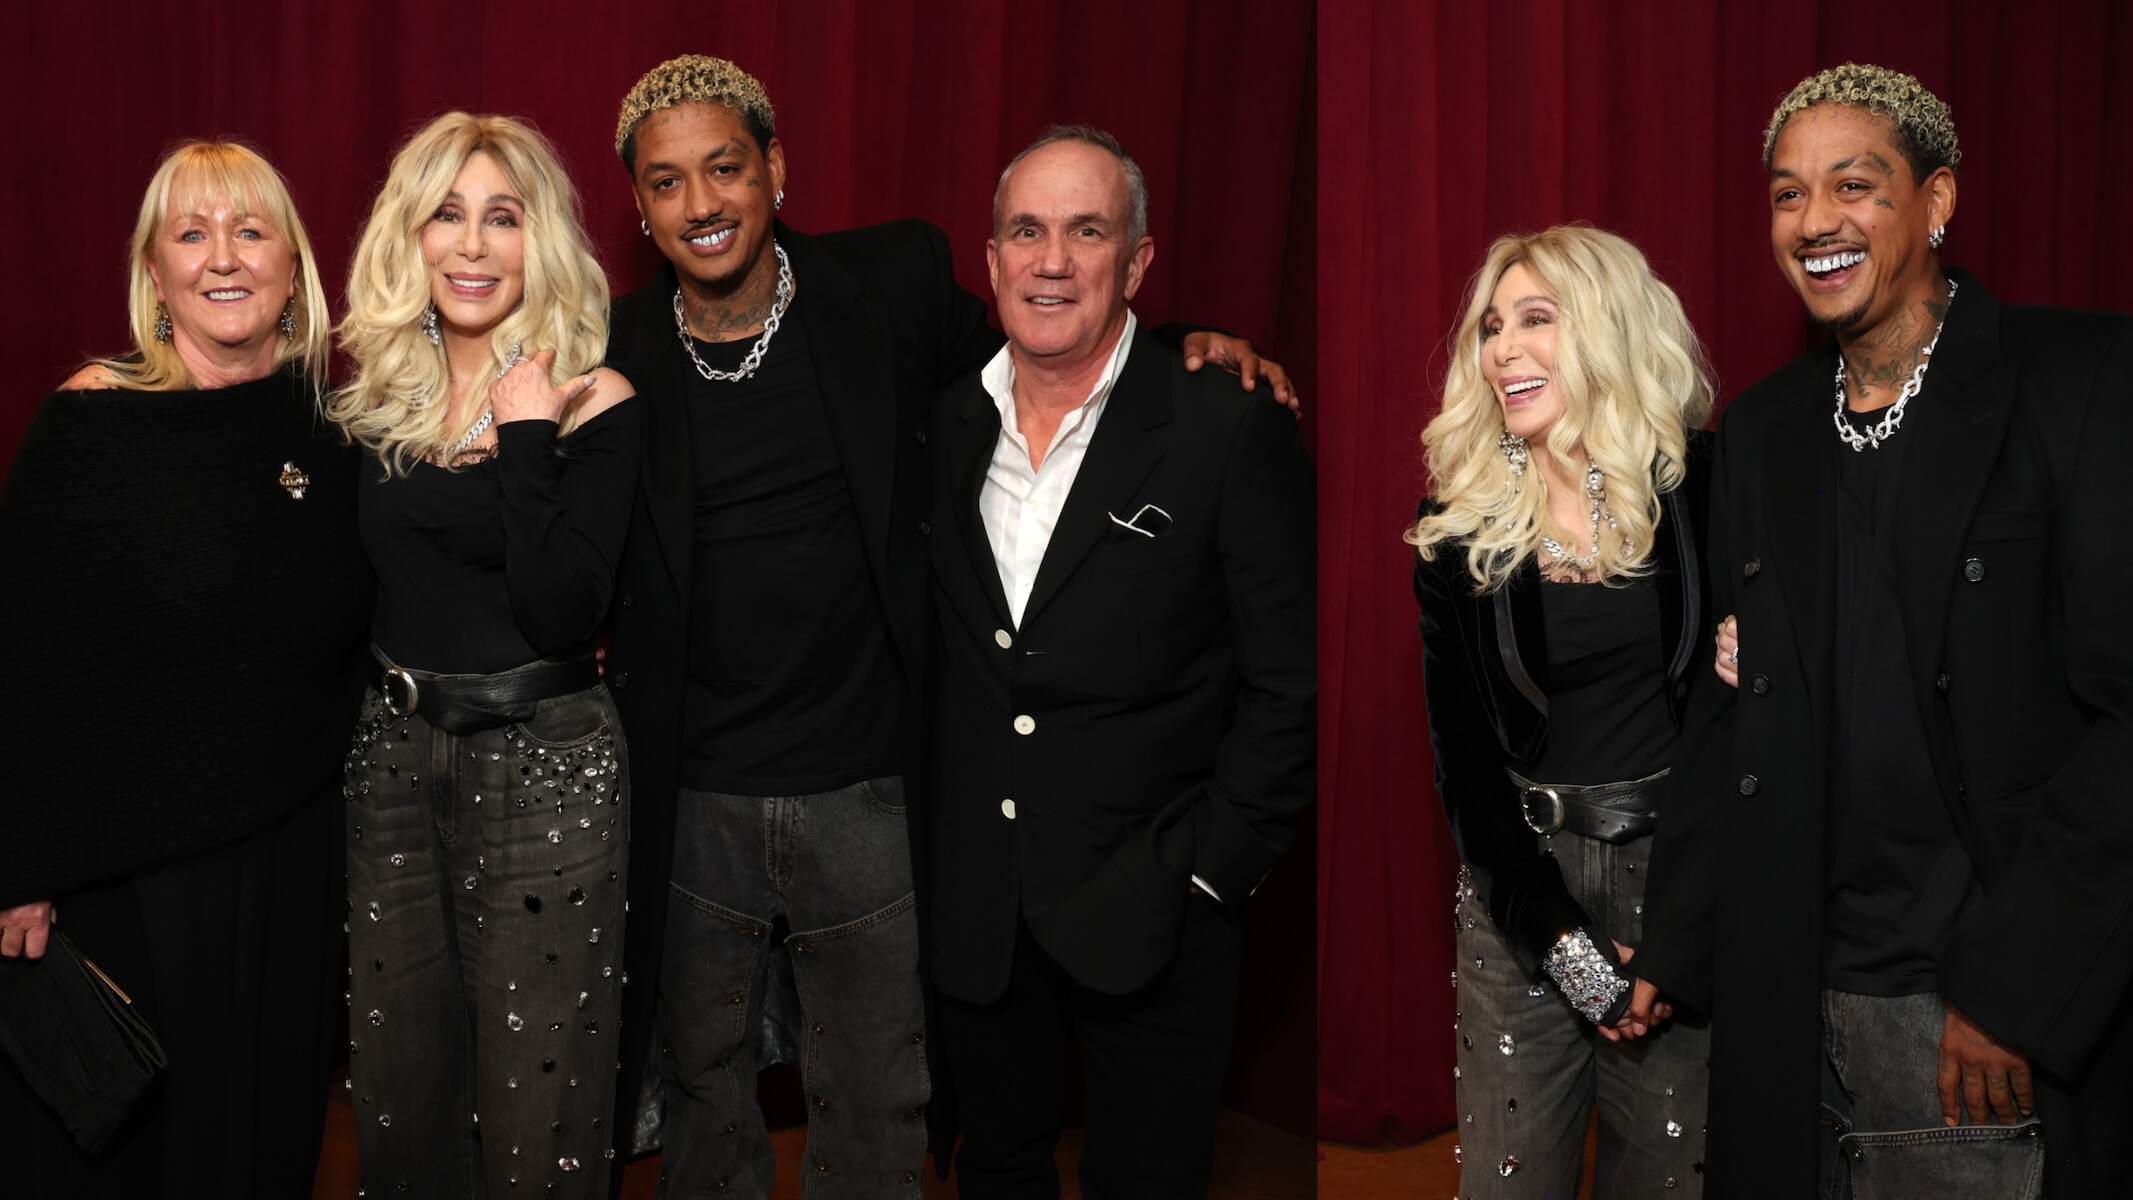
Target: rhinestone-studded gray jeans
(837, 867)
(1531, 1070)
(485, 885)
(1881, 1111)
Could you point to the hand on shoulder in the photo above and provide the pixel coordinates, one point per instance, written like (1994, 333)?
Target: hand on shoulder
(608, 389)
(92, 378)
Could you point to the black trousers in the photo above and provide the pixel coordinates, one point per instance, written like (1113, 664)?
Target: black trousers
(1151, 1064)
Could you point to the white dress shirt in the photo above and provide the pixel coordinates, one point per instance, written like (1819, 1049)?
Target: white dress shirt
(1020, 504)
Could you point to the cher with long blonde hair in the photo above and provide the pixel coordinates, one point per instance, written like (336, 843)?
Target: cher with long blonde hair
(397, 403)
(1633, 379)
(192, 178)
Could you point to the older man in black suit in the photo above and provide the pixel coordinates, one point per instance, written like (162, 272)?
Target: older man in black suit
(1122, 726)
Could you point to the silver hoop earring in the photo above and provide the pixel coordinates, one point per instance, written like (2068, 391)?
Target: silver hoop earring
(646, 226)
(288, 319)
(777, 202)
(1939, 235)
(162, 328)
(429, 326)
(1513, 449)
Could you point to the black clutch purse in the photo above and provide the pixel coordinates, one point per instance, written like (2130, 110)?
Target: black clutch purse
(74, 1035)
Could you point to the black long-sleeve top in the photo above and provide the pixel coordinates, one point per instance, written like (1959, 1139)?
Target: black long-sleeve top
(507, 561)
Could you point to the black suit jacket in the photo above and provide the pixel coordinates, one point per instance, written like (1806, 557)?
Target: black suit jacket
(1485, 669)
(2013, 567)
(1170, 680)
(886, 327)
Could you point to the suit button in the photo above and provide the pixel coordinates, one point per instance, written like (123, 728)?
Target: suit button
(1025, 725)
(1748, 784)
(629, 599)
(1974, 569)
(621, 679)
(1941, 684)
(1751, 568)
(920, 433)
(1007, 809)
(925, 529)
(1760, 685)
(1004, 639)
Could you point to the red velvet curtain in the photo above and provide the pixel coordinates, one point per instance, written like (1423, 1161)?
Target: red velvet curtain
(886, 109)
(1443, 125)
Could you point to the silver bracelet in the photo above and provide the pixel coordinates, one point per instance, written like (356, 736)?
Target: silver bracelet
(1586, 977)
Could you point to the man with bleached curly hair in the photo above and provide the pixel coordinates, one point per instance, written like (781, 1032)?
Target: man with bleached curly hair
(1894, 861)
(769, 645)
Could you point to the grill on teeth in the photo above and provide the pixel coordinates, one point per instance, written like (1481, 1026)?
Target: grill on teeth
(1835, 262)
(713, 239)
(1520, 388)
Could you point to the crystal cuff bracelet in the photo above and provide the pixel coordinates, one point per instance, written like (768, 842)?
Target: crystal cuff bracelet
(1587, 978)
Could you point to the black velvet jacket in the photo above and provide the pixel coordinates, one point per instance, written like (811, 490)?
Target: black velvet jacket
(1485, 672)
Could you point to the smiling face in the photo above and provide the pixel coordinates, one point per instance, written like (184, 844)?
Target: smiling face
(223, 273)
(1848, 223)
(1518, 353)
(475, 249)
(705, 190)
(1062, 258)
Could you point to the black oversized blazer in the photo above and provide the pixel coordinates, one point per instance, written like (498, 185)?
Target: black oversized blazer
(885, 327)
(2013, 570)
(1170, 680)
(1485, 674)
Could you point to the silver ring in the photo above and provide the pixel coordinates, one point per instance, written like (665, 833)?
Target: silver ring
(1733, 656)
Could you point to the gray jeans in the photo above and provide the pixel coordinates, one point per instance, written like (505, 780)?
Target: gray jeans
(485, 891)
(837, 867)
(1531, 1070)
(1881, 1105)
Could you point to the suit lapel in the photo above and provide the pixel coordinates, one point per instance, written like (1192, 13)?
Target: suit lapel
(967, 461)
(1126, 446)
(1799, 517)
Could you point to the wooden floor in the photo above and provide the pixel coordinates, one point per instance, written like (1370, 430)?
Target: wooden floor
(1426, 1169)
(1253, 1161)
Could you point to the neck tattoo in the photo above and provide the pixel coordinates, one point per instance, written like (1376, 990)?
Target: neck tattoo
(762, 343)
(1884, 429)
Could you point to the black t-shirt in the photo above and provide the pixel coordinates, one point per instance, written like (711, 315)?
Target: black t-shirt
(1607, 713)
(794, 685)
(507, 561)
(1897, 877)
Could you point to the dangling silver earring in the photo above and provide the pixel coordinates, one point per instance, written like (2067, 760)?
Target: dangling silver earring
(646, 226)
(162, 329)
(1513, 449)
(1939, 235)
(777, 202)
(288, 318)
(429, 326)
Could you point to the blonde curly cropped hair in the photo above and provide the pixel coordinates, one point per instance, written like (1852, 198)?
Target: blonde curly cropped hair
(1925, 128)
(694, 79)
(1634, 381)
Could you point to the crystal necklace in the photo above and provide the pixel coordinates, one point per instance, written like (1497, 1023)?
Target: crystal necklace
(762, 343)
(1565, 562)
(488, 414)
(1884, 429)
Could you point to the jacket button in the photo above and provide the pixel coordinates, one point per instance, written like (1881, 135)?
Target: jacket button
(620, 679)
(1025, 725)
(1007, 809)
(925, 529)
(1748, 784)
(1751, 568)
(921, 435)
(1974, 569)
(1003, 639)
(1941, 684)
(629, 599)
(1760, 685)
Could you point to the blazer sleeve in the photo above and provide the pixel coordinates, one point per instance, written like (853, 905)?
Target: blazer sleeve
(1521, 888)
(961, 339)
(1264, 771)
(1681, 889)
(2070, 871)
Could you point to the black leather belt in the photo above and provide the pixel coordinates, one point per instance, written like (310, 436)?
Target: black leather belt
(471, 703)
(1611, 812)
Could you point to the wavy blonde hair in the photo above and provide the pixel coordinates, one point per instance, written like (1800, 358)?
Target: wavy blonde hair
(396, 403)
(188, 179)
(1633, 382)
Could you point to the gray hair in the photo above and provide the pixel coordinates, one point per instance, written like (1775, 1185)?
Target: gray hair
(1136, 183)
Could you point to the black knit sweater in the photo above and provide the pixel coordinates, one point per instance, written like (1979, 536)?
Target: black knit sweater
(185, 637)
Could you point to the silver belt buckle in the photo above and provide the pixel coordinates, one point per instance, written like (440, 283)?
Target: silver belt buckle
(397, 681)
(1543, 809)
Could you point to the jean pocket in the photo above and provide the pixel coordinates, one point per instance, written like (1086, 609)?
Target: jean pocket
(564, 722)
(885, 795)
(2002, 1161)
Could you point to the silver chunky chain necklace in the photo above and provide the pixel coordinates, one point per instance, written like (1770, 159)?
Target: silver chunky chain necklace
(488, 414)
(1884, 429)
(1595, 491)
(762, 343)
